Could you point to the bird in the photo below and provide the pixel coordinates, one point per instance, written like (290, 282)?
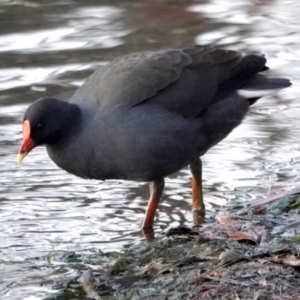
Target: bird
(147, 115)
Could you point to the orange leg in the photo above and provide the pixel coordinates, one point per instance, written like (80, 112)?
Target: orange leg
(156, 188)
(198, 204)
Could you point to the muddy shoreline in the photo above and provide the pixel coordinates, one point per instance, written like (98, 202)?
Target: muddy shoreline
(246, 253)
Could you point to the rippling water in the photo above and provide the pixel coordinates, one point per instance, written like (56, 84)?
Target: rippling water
(50, 48)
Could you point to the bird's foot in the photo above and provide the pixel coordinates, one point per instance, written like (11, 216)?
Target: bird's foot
(148, 233)
(198, 216)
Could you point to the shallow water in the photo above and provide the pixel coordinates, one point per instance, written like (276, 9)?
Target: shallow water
(49, 49)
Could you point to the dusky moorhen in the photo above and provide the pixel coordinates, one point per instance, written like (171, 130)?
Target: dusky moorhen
(147, 115)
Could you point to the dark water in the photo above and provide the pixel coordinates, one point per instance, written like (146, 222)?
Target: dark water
(49, 48)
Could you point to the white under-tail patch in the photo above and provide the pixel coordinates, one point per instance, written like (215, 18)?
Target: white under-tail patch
(257, 93)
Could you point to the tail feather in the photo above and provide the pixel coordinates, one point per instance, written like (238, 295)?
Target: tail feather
(260, 86)
(278, 83)
(261, 82)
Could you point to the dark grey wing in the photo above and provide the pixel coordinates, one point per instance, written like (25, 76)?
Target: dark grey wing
(214, 74)
(182, 80)
(130, 79)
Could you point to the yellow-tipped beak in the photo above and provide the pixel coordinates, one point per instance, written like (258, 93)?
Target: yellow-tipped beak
(21, 156)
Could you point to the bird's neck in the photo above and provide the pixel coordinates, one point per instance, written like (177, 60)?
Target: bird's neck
(70, 121)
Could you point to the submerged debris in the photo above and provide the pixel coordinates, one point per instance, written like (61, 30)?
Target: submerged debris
(88, 281)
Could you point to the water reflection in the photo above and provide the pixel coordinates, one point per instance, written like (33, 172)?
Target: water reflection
(50, 48)
(93, 27)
